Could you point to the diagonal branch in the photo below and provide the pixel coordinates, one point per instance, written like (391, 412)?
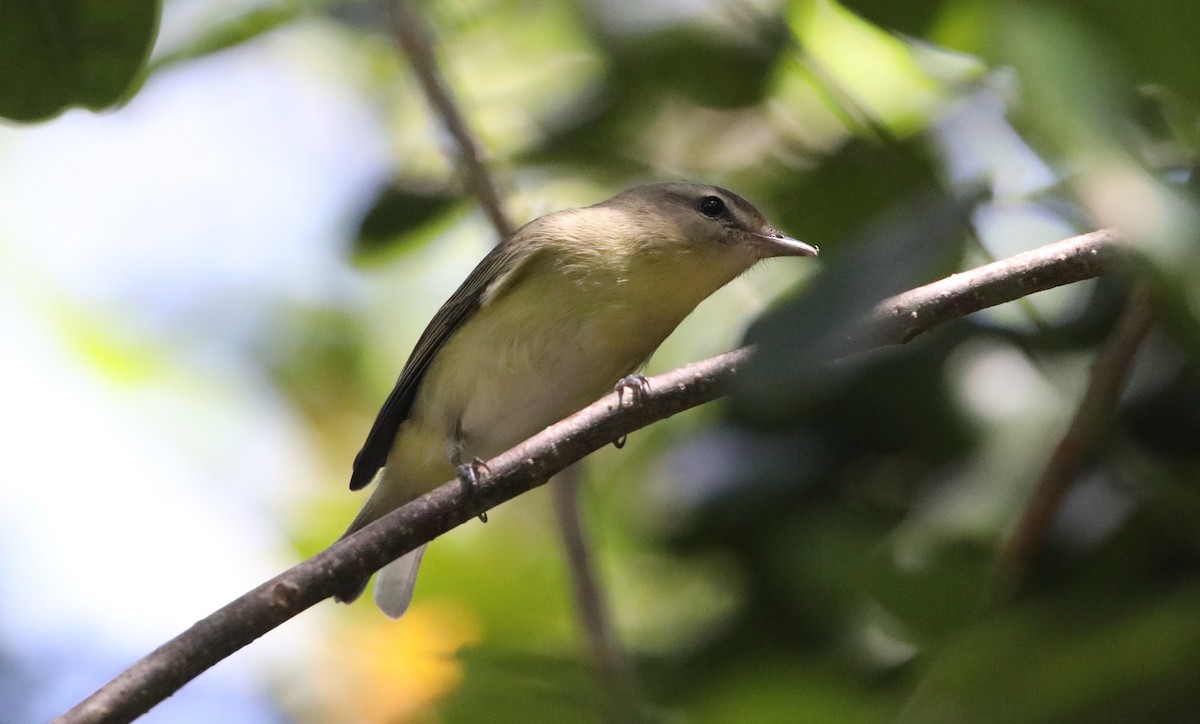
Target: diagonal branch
(533, 462)
(1095, 410)
(905, 316)
(413, 36)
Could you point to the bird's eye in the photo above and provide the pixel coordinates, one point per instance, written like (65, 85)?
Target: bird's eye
(712, 207)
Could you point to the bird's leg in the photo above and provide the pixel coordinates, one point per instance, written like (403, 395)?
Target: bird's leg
(469, 474)
(638, 386)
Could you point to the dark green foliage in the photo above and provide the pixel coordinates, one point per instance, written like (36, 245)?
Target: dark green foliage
(398, 210)
(54, 55)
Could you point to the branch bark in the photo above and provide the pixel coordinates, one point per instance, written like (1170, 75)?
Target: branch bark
(609, 660)
(530, 464)
(410, 31)
(1099, 400)
(905, 316)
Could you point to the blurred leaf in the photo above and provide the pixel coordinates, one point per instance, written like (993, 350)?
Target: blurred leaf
(938, 596)
(592, 135)
(903, 90)
(821, 565)
(515, 63)
(798, 339)
(1077, 94)
(613, 132)
(1086, 325)
(374, 670)
(912, 17)
(709, 68)
(54, 55)
(828, 204)
(777, 689)
(1083, 659)
(1166, 420)
(922, 419)
(400, 208)
(314, 356)
(525, 687)
(1153, 40)
(232, 32)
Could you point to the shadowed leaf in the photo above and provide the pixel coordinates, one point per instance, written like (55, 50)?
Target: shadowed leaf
(54, 55)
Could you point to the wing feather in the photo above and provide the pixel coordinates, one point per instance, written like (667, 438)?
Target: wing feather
(461, 306)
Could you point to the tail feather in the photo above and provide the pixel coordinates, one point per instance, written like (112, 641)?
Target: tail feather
(395, 583)
(381, 502)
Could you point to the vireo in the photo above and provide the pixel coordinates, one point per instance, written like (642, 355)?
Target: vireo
(551, 318)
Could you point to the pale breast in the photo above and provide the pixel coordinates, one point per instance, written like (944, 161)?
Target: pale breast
(531, 360)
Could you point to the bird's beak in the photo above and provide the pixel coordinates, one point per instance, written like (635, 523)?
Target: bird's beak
(775, 243)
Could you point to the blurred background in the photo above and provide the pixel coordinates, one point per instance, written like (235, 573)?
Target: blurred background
(207, 291)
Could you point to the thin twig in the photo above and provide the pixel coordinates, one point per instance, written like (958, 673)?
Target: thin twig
(530, 464)
(1025, 303)
(901, 318)
(413, 36)
(1104, 386)
(410, 31)
(609, 659)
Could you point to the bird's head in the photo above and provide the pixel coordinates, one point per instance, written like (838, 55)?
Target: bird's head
(701, 218)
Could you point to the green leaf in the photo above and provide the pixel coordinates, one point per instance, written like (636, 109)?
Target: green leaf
(399, 209)
(1091, 658)
(233, 32)
(699, 63)
(913, 17)
(54, 55)
(523, 686)
(1153, 40)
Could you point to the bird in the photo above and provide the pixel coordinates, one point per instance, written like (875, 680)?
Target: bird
(551, 318)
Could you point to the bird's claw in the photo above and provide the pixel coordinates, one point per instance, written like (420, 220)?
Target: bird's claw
(469, 474)
(638, 386)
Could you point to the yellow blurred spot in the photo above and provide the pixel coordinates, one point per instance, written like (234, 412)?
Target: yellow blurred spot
(105, 349)
(380, 670)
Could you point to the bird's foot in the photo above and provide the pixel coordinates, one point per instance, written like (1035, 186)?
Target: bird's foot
(469, 474)
(638, 386)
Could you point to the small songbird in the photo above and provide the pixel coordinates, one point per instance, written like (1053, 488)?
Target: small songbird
(552, 317)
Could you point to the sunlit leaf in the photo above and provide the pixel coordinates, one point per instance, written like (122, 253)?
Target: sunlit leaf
(232, 32)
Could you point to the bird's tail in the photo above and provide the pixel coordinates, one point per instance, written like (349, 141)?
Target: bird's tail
(395, 582)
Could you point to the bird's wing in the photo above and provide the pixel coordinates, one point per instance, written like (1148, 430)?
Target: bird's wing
(461, 306)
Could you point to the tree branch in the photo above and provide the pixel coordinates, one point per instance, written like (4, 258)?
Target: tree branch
(1095, 410)
(410, 32)
(905, 316)
(608, 658)
(534, 461)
